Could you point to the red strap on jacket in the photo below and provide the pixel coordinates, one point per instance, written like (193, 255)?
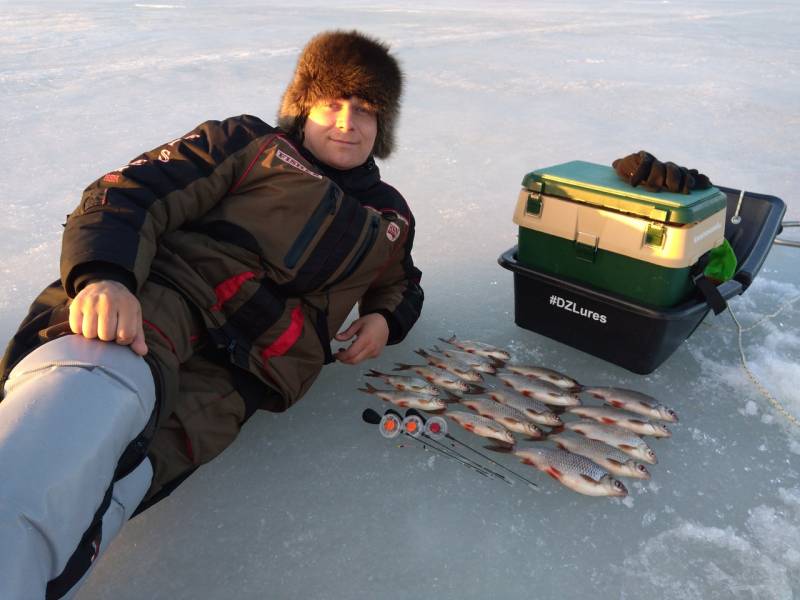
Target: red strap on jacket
(228, 288)
(286, 339)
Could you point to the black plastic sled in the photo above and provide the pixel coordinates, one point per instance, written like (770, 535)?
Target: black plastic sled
(634, 336)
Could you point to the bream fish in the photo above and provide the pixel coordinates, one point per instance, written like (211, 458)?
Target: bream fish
(482, 426)
(630, 443)
(536, 411)
(548, 375)
(613, 460)
(626, 420)
(407, 399)
(480, 348)
(511, 418)
(634, 401)
(442, 378)
(538, 389)
(451, 365)
(576, 472)
(476, 361)
(406, 383)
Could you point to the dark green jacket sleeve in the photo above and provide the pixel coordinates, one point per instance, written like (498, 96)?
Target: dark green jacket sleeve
(122, 215)
(397, 294)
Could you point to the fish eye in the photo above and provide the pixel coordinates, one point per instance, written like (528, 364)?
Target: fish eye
(617, 484)
(641, 468)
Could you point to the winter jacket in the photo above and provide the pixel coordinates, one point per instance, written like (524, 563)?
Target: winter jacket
(269, 249)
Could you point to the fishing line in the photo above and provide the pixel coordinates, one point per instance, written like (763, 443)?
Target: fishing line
(462, 458)
(482, 455)
(373, 418)
(467, 461)
(776, 404)
(463, 462)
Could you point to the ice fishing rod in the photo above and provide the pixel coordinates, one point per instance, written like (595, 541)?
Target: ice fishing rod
(412, 411)
(392, 424)
(435, 428)
(394, 427)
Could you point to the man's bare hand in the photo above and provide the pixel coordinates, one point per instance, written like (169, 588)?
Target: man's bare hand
(107, 310)
(371, 332)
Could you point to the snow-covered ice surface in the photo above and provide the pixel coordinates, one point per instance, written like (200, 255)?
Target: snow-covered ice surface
(313, 503)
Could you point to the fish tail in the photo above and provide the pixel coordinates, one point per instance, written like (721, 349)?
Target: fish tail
(474, 389)
(369, 389)
(497, 363)
(402, 367)
(421, 352)
(451, 398)
(450, 341)
(499, 447)
(374, 373)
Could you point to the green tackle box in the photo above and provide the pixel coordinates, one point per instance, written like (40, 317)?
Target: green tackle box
(579, 220)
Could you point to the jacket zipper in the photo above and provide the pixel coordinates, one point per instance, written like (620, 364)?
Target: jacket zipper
(326, 206)
(358, 257)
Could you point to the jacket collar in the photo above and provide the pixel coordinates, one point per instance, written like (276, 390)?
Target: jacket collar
(357, 179)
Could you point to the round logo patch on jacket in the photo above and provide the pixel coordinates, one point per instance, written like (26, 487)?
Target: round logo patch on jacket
(393, 231)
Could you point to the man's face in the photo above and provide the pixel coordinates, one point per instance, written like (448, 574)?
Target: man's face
(341, 133)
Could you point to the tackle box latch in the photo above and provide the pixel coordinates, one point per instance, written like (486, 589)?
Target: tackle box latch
(655, 235)
(533, 205)
(586, 246)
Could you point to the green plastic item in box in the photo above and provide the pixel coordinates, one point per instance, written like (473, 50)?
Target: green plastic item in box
(599, 185)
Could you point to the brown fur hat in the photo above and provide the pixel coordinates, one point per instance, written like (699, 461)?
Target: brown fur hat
(340, 64)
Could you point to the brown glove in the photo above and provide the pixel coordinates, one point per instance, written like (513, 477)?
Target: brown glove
(645, 169)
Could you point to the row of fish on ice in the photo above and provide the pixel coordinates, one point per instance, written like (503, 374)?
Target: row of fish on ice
(609, 443)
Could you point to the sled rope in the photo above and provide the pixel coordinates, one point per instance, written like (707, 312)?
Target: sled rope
(772, 316)
(776, 404)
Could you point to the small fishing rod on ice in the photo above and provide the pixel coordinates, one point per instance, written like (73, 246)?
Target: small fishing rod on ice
(392, 424)
(415, 412)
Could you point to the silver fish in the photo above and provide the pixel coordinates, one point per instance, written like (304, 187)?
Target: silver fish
(613, 460)
(630, 443)
(538, 389)
(635, 402)
(576, 472)
(482, 426)
(630, 421)
(442, 378)
(451, 365)
(476, 361)
(536, 411)
(478, 348)
(511, 418)
(407, 399)
(548, 375)
(405, 383)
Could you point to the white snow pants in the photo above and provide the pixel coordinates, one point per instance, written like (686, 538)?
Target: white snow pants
(70, 409)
